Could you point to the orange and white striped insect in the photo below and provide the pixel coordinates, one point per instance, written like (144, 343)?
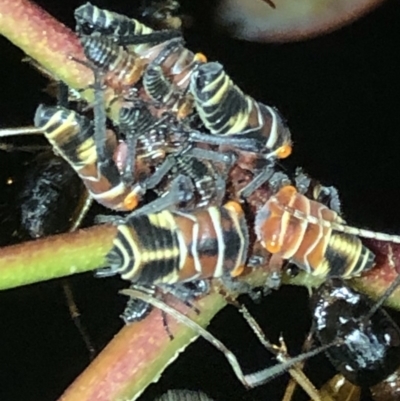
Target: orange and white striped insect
(314, 237)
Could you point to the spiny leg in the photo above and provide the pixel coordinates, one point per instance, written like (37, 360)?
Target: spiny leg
(148, 38)
(76, 317)
(181, 190)
(99, 112)
(244, 144)
(86, 203)
(263, 176)
(328, 196)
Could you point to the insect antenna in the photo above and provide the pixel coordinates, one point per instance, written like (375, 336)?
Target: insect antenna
(359, 232)
(31, 130)
(383, 298)
(248, 380)
(281, 354)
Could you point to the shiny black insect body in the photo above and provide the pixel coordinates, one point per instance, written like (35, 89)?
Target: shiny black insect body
(368, 352)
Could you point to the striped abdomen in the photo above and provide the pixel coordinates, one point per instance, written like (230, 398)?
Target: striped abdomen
(72, 137)
(171, 247)
(226, 110)
(165, 94)
(122, 69)
(306, 233)
(91, 20)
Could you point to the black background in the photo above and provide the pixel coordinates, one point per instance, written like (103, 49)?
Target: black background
(340, 94)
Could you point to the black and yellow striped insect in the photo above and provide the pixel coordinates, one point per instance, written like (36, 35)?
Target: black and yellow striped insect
(171, 247)
(256, 133)
(137, 37)
(166, 67)
(72, 137)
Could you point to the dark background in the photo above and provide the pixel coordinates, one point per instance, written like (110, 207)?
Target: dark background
(340, 95)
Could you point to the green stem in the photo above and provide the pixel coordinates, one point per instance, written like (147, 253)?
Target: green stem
(55, 256)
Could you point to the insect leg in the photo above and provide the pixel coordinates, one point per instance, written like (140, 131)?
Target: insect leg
(181, 190)
(149, 38)
(248, 380)
(228, 158)
(137, 309)
(99, 113)
(280, 352)
(245, 144)
(76, 317)
(87, 202)
(262, 177)
(171, 47)
(328, 196)
(186, 292)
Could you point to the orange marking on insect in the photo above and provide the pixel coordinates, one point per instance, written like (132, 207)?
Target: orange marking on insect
(284, 151)
(311, 236)
(234, 206)
(238, 271)
(200, 58)
(131, 201)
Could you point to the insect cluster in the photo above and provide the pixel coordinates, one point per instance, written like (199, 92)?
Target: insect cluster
(185, 132)
(187, 135)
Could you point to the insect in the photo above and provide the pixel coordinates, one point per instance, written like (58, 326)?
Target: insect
(183, 395)
(175, 248)
(166, 67)
(72, 136)
(171, 247)
(50, 186)
(165, 95)
(157, 155)
(256, 133)
(163, 14)
(313, 237)
(369, 353)
(51, 199)
(91, 20)
(122, 69)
